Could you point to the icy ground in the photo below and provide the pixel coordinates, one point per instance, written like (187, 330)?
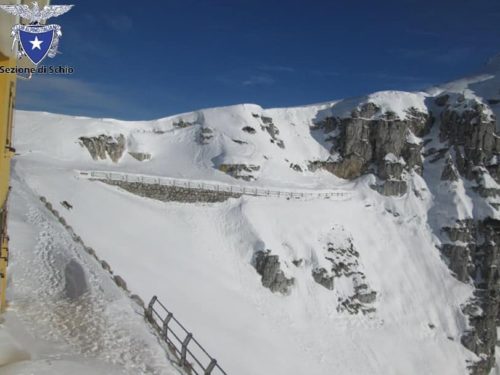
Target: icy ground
(66, 316)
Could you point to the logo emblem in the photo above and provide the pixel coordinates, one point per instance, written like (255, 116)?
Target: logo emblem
(34, 40)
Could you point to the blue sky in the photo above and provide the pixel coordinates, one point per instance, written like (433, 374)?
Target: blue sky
(146, 60)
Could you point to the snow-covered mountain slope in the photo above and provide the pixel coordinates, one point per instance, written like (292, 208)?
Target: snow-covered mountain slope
(65, 314)
(399, 279)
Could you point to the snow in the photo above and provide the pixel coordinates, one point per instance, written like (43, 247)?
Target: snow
(413, 139)
(61, 321)
(488, 182)
(391, 158)
(198, 258)
(397, 102)
(481, 87)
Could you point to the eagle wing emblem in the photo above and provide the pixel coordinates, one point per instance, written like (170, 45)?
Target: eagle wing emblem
(22, 11)
(49, 11)
(35, 14)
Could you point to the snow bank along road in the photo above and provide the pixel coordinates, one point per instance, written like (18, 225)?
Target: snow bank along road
(335, 194)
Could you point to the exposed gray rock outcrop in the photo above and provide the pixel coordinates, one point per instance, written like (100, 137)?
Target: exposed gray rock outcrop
(240, 171)
(391, 168)
(468, 128)
(450, 172)
(272, 130)
(442, 100)
(486, 186)
(322, 277)
(182, 124)
(141, 156)
(345, 266)
(273, 278)
(474, 256)
(205, 135)
(363, 143)
(102, 146)
(249, 130)
(392, 188)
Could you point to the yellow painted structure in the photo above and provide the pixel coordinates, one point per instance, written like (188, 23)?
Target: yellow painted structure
(7, 100)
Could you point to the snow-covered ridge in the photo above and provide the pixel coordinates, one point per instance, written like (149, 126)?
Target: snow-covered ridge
(279, 143)
(357, 285)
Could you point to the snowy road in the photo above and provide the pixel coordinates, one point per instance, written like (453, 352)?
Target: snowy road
(65, 311)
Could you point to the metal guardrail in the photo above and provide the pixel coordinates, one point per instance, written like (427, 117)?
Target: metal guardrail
(190, 355)
(202, 185)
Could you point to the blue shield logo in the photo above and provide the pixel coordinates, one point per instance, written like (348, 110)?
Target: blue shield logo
(35, 44)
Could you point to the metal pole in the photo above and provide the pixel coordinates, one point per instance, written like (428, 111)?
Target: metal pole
(184, 348)
(164, 329)
(211, 366)
(149, 311)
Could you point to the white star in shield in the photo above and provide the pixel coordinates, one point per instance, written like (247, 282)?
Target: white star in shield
(36, 43)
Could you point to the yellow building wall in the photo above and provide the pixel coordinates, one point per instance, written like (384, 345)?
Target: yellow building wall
(7, 98)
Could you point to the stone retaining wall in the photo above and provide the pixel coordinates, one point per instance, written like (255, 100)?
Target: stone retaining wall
(172, 193)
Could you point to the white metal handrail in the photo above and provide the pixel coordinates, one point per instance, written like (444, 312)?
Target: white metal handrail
(211, 186)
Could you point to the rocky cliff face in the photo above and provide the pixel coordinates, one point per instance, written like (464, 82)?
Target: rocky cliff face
(471, 146)
(473, 254)
(387, 145)
(461, 132)
(104, 146)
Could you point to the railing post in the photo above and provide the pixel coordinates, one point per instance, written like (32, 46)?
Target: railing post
(211, 366)
(149, 310)
(184, 348)
(164, 328)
